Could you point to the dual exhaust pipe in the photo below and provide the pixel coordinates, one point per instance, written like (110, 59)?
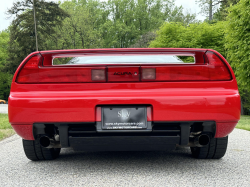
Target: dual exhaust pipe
(194, 141)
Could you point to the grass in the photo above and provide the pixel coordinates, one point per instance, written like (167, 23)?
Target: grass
(244, 123)
(5, 128)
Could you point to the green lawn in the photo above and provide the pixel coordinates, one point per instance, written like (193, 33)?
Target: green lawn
(244, 123)
(5, 128)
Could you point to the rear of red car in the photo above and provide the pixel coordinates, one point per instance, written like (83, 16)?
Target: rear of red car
(124, 99)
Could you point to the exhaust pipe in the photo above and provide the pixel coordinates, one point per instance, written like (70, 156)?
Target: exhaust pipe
(199, 141)
(48, 142)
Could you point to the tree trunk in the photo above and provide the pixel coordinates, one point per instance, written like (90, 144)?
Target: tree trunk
(210, 10)
(242, 110)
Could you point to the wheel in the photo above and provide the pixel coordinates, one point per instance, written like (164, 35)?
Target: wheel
(1, 102)
(34, 151)
(216, 149)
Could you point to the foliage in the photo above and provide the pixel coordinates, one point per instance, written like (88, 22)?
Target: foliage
(144, 40)
(22, 32)
(198, 35)
(5, 127)
(5, 83)
(222, 13)
(116, 23)
(77, 31)
(4, 39)
(237, 45)
(244, 123)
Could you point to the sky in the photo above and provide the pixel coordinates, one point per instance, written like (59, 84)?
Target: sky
(188, 5)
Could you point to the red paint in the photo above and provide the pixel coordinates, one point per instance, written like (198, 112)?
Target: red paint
(171, 101)
(25, 131)
(224, 128)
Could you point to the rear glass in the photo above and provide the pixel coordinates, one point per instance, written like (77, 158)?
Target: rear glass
(124, 59)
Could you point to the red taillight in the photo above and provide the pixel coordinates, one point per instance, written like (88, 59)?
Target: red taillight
(217, 68)
(29, 72)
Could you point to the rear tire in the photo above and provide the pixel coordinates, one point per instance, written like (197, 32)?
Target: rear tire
(216, 149)
(34, 151)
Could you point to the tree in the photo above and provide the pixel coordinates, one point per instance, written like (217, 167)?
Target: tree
(5, 80)
(79, 31)
(222, 13)
(22, 33)
(144, 40)
(197, 35)
(209, 7)
(4, 39)
(237, 44)
(114, 23)
(130, 19)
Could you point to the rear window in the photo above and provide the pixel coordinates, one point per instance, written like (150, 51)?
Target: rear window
(123, 59)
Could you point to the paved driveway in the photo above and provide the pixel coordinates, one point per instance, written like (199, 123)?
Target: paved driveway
(4, 108)
(176, 168)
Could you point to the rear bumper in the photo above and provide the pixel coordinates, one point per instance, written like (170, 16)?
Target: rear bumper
(170, 102)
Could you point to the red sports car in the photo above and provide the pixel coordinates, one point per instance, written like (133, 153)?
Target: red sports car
(124, 100)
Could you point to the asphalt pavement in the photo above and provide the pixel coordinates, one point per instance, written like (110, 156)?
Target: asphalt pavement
(4, 108)
(173, 168)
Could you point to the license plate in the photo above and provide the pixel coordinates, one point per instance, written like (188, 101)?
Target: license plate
(124, 118)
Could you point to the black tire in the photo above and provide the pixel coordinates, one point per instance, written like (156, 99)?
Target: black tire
(1, 102)
(216, 149)
(34, 151)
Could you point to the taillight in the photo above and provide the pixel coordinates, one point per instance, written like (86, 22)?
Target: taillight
(30, 71)
(217, 68)
(214, 70)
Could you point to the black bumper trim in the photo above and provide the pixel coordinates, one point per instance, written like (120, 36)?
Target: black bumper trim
(124, 143)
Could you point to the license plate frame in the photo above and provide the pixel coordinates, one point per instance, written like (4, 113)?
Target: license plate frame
(124, 118)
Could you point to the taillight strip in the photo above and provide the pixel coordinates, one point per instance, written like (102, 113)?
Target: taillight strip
(33, 72)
